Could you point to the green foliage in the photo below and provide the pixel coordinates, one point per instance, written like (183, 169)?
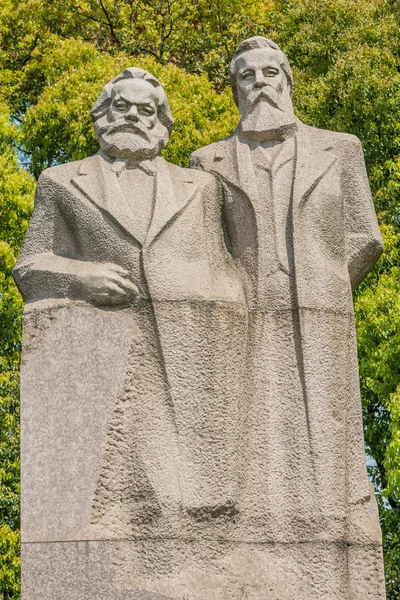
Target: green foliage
(56, 56)
(16, 196)
(9, 563)
(192, 34)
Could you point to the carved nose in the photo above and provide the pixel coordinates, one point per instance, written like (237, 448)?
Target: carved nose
(132, 115)
(260, 83)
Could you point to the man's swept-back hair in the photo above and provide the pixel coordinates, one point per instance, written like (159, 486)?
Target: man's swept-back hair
(254, 43)
(103, 102)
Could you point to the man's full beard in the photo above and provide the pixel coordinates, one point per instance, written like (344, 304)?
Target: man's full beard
(129, 141)
(267, 115)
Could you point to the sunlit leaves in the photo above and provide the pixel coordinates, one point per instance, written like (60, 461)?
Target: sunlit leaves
(16, 199)
(9, 562)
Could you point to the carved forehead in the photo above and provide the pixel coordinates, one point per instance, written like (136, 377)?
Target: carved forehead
(259, 58)
(136, 91)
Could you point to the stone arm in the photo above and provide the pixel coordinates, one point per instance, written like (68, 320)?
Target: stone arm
(364, 242)
(45, 268)
(227, 280)
(213, 203)
(201, 162)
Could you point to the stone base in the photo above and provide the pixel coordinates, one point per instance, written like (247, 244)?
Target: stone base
(133, 489)
(189, 570)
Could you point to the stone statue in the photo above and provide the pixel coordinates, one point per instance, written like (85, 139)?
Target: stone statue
(191, 418)
(134, 348)
(300, 224)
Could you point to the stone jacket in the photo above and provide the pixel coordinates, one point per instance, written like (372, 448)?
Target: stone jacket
(81, 216)
(336, 238)
(187, 330)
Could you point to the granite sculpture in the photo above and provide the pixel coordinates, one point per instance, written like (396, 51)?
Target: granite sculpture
(190, 408)
(133, 305)
(300, 224)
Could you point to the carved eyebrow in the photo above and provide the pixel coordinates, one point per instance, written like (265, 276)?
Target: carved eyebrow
(255, 67)
(122, 97)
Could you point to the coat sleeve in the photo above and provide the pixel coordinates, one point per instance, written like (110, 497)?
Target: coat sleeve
(41, 270)
(227, 280)
(364, 242)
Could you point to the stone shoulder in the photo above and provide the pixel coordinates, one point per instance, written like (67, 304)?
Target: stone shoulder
(206, 154)
(337, 139)
(61, 173)
(201, 178)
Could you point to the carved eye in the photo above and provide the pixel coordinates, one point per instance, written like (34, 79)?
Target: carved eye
(120, 105)
(270, 72)
(247, 75)
(146, 109)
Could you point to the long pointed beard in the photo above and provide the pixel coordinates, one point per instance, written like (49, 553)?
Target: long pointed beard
(265, 119)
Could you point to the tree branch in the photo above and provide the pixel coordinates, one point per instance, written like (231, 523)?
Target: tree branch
(164, 36)
(23, 151)
(111, 26)
(35, 43)
(141, 50)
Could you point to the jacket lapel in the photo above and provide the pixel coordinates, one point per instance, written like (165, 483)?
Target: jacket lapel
(101, 186)
(285, 154)
(172, 196)
(312, 164)
(232, 163)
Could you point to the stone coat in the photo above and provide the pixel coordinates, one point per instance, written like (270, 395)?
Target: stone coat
(336, 236)
(157, 462)
(304, 477)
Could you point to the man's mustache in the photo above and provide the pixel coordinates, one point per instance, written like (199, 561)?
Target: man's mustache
(125, 125)
(267, 94)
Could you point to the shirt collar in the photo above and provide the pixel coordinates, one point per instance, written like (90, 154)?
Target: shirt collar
(118, 166)
(147, 166)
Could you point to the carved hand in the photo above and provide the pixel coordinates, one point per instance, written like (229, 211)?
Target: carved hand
(106, 284)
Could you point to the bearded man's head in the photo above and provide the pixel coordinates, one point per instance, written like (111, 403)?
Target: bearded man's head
(262, 84)
(131, 117)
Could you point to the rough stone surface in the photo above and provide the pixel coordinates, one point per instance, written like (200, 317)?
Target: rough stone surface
(169, 569)
(190, 406)
(300, 224)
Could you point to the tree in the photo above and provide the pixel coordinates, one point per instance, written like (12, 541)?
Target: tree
(16, 198)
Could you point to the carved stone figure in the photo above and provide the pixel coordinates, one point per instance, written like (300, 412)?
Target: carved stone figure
(300, 224)
(135, 338)
(191, 417)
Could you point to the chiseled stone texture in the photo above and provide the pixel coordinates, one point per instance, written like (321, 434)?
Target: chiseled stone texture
(190, 570)
(190, 405)
(300, 224)
(108, 449)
